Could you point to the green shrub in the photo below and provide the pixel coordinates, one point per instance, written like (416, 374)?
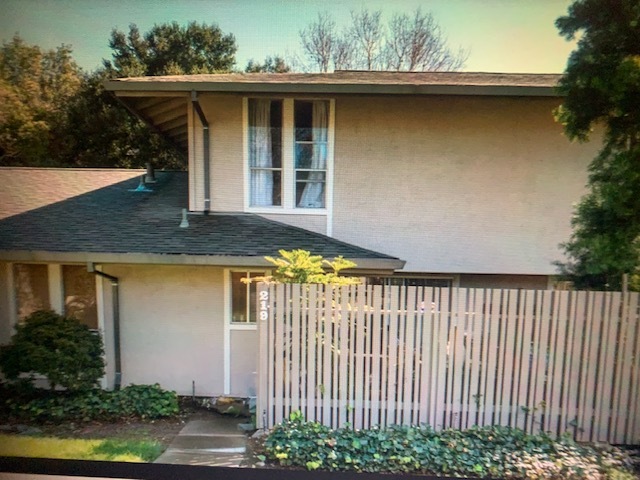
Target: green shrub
(60, 348)
(139, 401)
(146, 401)
(479, 451)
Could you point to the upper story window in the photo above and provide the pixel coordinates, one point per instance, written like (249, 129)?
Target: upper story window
(311, 132)
(265, 152)
(289, 153)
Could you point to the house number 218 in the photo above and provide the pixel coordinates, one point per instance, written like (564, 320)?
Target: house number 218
(264, 305)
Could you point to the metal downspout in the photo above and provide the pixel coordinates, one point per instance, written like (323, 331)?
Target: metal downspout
(115, 300)
(205, 148)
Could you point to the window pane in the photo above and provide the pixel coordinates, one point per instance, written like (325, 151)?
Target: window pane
(261, 179)
(32, 289)
(303, 113)
(238, 297)
(265, 150)
(80, 295)
(243, 297)
(310, 194)
(311, 156)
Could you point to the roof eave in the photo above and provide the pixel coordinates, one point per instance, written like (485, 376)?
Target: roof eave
(378, 264)
(151, 88)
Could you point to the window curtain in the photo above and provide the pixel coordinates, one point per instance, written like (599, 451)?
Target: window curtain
(261, 180)
(313, 194)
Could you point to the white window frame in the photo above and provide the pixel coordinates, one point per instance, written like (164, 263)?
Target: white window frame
(288, 161)
(229, 326)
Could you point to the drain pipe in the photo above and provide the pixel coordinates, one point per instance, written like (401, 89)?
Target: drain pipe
(115, 300)
(205, 148)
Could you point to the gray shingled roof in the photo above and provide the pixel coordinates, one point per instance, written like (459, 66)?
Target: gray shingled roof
(113, 219)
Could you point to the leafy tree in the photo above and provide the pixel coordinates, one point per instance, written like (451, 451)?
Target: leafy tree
(300, 266)
(601, 88)
(406, 43)
(61, 348)
(35, 87)
(274, 64)
(104, 134)
(171, 49)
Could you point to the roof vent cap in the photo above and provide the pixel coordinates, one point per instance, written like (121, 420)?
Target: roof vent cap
(141, 186)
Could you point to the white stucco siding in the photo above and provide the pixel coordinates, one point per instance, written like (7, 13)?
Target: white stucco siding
(456, 184)
(171, 326)
(224, 113)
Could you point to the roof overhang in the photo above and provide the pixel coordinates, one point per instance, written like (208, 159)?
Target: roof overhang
(162, 101)
(167, 89)
(387, 265)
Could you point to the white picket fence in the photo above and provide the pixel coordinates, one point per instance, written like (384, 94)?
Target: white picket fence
(557, 361)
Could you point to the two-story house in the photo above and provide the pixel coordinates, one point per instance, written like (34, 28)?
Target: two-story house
(442, 179)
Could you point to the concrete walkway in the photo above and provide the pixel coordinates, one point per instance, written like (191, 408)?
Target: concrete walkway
(210, 439)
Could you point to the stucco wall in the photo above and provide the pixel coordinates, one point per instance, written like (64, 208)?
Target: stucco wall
(224, 113)
(171, 324)
(456, 184)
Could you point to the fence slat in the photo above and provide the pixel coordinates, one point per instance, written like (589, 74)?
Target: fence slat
(557, 422)
(475, 336)
(359, 318)
(572, 355)
(344, 357)
(633, 437)
(439, 399)
(374, 299)
(493, 364)
(424, 335)
(391, 320)
(411, 358)
(525, 376)
(295, 364)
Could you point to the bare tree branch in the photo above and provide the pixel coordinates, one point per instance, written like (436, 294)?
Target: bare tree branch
(318, 40)
(409, 43)
(367, 33)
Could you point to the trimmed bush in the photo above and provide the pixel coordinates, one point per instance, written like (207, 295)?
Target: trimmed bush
(60, 348)
(134, 401)
(479, 451)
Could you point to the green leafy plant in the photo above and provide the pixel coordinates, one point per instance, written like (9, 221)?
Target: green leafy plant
(134, 401)
(58, 347)
(300, 266)
(477, 452)
(146, 401)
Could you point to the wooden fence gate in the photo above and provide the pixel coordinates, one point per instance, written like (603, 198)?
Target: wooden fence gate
(546, 360)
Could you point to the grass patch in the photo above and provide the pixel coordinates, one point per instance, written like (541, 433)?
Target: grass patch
(74, 449)
(147, 451)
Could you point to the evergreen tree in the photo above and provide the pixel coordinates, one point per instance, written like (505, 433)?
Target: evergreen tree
(601, 88)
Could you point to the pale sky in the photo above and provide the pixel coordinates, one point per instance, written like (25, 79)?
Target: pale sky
(501, 35)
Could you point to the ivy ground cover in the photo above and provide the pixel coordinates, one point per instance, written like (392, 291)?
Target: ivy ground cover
(498, 452)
